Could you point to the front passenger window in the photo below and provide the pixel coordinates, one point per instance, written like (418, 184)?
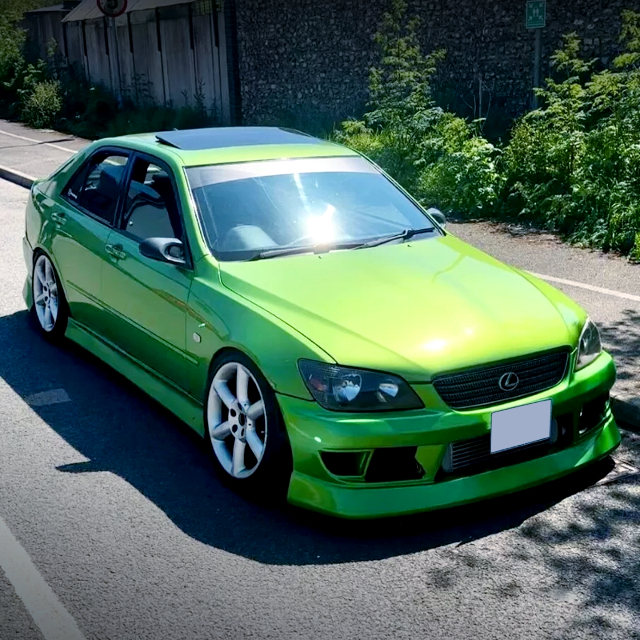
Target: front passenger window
(150, 209)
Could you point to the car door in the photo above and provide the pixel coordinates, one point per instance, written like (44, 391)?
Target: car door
(146, 298)
(83, 215)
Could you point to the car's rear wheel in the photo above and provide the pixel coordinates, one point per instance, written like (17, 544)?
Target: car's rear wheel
(244, 429)
(49, 303)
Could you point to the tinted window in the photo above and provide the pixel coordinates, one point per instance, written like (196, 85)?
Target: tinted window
(150, 209)
(255, 206)
(97, 186)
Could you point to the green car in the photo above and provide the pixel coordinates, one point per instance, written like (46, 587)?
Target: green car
(328, 338)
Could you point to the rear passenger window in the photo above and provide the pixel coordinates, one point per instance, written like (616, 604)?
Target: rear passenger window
(97, 186)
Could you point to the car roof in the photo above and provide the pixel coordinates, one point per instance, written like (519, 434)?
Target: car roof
(220, 145)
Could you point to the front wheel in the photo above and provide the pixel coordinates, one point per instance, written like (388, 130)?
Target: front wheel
(244, 429)
(49, 303)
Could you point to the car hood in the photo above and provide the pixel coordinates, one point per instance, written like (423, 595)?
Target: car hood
(417, 309)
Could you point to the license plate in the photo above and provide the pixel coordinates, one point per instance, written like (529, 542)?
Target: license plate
(520, 426)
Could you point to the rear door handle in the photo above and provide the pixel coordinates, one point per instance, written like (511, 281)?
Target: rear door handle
(59, 218)
(115, 250)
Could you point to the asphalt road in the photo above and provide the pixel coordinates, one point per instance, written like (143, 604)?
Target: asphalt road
(35, 152)
(113, 526)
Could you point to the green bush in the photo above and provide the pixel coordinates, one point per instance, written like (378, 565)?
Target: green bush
(463, 179)
(43, 104)
(574, 164)
(12, 45)
(435, 155)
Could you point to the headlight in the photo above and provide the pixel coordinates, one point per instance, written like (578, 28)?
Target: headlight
(590, 346)
(343, 389)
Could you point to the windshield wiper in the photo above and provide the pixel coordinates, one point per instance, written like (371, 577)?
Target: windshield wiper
(291, 251)
(274, 253)
(402, 235)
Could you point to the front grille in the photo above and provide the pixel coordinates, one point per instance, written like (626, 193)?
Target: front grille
(467, 453)
(480, 387)
(471, 453)
(474, 455)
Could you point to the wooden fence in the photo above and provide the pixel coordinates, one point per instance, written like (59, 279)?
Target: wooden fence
(167, 54)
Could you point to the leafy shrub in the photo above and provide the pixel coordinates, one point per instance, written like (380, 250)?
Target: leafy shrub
(42, 104)
(574, 164)
(435, 155)
(464, 178)
(12, 59)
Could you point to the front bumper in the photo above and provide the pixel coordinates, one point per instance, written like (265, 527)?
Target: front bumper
(314, 433)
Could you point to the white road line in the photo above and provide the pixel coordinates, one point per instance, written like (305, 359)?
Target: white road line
(49, 144)
(53, 620)
(45, 398)
(589, 287)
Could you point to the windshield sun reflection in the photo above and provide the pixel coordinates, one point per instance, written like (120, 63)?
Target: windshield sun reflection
(321, 229)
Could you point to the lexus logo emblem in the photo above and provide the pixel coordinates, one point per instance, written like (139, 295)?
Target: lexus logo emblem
(509, 381)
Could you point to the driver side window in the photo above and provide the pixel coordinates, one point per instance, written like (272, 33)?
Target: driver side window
(150, 209)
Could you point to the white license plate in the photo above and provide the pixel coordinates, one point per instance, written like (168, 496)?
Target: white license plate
(519, 426)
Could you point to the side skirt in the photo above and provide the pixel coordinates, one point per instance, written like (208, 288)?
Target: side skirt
(181, 405)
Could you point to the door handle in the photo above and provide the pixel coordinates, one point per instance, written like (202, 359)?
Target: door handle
(115, 251)
(59, 218)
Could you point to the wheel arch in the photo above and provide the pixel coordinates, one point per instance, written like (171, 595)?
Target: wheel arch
(237, 349)
(231, 350)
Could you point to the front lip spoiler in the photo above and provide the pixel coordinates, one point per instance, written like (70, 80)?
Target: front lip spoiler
(382, 501)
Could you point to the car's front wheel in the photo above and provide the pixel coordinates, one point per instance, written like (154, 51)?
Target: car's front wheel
(244, 429)
(49, 304)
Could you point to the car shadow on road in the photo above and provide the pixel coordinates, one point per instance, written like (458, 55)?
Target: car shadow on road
(120, 430)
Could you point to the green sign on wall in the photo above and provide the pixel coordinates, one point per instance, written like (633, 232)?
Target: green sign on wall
(536, 14)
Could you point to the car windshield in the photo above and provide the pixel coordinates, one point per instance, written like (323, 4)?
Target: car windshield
(270, 207)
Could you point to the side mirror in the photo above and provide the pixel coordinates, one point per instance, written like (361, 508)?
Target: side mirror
(170, 250)
(438, 216)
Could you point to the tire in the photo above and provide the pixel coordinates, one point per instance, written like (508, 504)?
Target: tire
(49, 305)
(244, 430)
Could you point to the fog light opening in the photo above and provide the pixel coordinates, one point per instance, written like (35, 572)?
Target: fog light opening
(346, 464)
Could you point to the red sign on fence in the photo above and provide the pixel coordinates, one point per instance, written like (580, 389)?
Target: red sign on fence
(112, 8)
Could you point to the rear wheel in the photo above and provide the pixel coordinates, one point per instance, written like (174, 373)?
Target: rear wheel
(49, 303)
(245, 431)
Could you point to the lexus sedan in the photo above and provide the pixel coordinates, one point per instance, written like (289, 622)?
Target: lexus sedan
(329, 339)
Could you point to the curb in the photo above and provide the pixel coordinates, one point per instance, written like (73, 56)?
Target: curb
(17, 177)
(626, 412)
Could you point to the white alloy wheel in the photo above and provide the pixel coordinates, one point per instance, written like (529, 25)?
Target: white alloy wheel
(237, 421)
(45, 293)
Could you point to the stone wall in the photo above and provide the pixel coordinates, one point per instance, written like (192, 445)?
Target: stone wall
(305, 62)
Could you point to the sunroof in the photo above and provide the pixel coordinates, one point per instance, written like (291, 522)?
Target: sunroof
(221, 137)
